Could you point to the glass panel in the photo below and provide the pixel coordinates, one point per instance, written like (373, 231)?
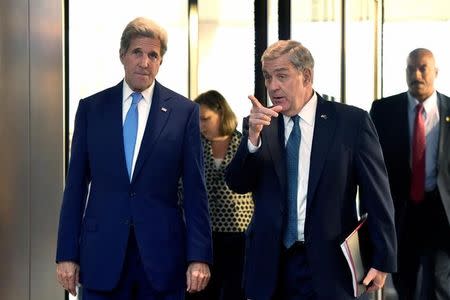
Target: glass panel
(226, 51)
(316, 24)
(272, 22)
(417, 24)
(360, 49)
(94, 44)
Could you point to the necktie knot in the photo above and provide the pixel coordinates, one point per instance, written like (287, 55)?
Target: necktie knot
(296, 128)
(135, 97)
(419, 108)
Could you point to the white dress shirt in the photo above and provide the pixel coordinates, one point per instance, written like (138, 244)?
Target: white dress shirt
(143, 111)
(307, 121)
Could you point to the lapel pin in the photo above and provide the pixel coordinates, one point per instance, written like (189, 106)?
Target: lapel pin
(447, 119)
(324, 117)
(163, 109)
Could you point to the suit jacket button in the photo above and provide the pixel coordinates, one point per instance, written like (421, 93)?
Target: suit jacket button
(132, 194)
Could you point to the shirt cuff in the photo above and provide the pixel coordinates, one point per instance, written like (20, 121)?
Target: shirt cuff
(252, 148)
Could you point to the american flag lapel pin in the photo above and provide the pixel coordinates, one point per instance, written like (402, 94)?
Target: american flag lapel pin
(164, 109)
(324, 117)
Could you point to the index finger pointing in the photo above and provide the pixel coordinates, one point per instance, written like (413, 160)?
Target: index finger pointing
(254, 101)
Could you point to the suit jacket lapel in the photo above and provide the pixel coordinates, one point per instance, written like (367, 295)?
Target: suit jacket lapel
(324, 129)
(112, 114)
(400, 113)
(444, 130)
(157, 119)
(274, 137)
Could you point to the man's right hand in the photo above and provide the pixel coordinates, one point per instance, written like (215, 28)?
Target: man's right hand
(260, 116)
(67, 273)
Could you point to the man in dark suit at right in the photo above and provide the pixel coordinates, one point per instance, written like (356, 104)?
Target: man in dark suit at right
(304, 160)
(414, 132)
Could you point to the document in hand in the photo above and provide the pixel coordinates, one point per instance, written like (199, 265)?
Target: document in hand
(356, 252)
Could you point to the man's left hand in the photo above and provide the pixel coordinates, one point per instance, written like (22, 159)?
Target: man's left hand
(374, 280)
(197, 276)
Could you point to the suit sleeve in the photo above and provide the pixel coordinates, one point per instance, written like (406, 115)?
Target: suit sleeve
(375, 196)
(195, 202)
(241, 172)
(374, 112)
(75, 192)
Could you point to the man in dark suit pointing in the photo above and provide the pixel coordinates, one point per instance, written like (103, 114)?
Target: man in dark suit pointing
(414, 130)
(303, 160)
(123, 233)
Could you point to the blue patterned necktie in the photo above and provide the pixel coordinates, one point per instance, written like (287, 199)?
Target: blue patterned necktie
(130, 130)
(292, 163)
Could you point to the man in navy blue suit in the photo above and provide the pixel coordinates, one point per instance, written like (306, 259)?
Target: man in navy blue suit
(421, 195)
(304, 160)
(123, 232)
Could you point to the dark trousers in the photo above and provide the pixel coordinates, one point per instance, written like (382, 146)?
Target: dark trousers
(424, 252)
(133, 283)
(227, 268)
(295, 279)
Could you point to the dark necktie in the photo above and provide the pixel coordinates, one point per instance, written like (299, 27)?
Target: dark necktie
(292, 165)
(418, 157)
(130, 127)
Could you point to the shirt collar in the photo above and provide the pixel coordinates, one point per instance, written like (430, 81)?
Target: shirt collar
(147, 94)
(428, 105)
(308, 112)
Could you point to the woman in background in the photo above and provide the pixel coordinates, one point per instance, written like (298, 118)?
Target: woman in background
(230, 212)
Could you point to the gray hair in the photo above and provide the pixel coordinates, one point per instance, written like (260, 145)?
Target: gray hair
(419, 52)
(142, 27)
(298, 55)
